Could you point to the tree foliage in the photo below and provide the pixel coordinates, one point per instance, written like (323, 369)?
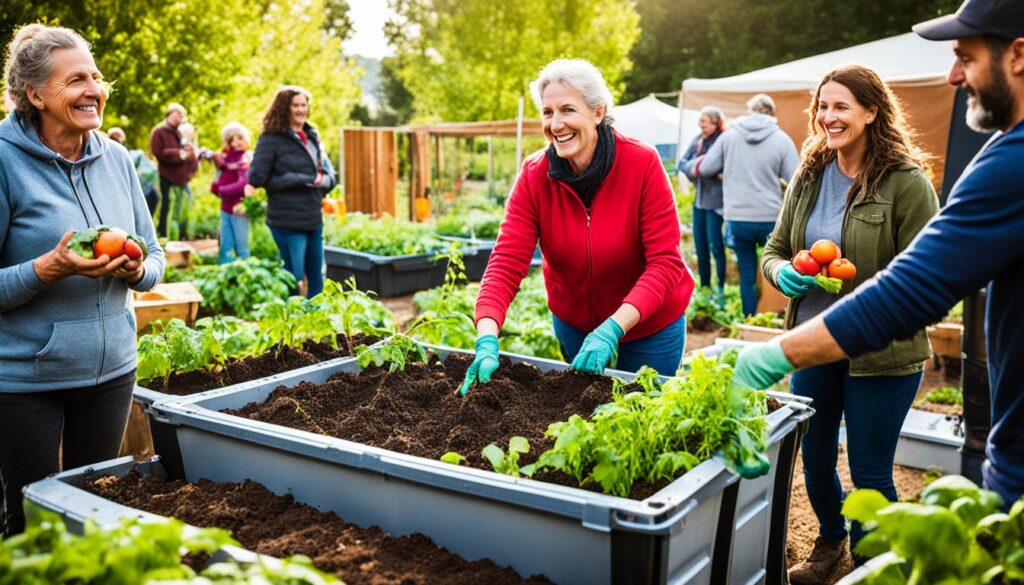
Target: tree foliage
(696, 38)
(223, 62)
(472, 59)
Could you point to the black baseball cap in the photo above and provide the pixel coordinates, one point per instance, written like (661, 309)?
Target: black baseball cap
(975, 18)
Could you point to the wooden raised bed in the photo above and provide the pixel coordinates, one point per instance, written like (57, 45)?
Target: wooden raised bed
(178, 300)
(945, 339)
(758, 333)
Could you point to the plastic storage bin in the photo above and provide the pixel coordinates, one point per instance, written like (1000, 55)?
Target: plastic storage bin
(388, 276)
(683, 534)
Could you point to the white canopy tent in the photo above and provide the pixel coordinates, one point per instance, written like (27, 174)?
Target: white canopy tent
(915, 69)
(656, 123)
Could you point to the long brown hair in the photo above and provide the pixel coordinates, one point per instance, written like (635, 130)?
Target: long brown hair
(890, 140)
(277, 115)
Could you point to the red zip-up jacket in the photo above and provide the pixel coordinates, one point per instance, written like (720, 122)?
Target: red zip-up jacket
(625, 251)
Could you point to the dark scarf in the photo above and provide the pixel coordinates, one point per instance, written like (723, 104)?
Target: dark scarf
(586, 184)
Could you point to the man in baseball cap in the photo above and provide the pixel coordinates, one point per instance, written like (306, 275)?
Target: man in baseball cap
(974, 241)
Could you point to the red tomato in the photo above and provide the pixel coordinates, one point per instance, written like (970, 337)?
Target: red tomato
(842, 269)
(825, 251)
(110, 243)
(132, 250)
(805, 264)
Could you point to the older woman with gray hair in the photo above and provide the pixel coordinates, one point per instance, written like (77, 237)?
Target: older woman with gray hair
(707, 204)
(233, 166)
(601, 206)
(67, 332)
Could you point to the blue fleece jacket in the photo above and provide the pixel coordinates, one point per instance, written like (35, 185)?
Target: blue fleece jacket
(975, 239)
(78, 331)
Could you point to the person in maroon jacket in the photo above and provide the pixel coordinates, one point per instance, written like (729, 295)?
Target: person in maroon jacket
(602, 208)
(176, 161)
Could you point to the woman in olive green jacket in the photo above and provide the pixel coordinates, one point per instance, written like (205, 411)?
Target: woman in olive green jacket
(860, 184)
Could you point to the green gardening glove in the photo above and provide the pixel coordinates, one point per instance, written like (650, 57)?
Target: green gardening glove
(598, 348)
(761, 365)
(484, 364)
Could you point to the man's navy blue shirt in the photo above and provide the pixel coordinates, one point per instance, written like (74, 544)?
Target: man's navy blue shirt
(976, 239)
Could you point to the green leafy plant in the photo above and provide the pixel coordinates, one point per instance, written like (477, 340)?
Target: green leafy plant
(652, 431)
(947, 395)
(956, 534)
(453, 458)
(444, 321)
(707, 308)
(471, 223)
(240, 287)
(173, 347)
(134, 551)
(384, 236)
(507, 463)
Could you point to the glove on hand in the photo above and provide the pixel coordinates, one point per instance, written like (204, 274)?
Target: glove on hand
(484, 364)
(598, 348)
(792, 283)
(761, 365)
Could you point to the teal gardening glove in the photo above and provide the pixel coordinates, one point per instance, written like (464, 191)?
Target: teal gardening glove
(484, 364)
(792, 283)
(598, 348)
(761, 365)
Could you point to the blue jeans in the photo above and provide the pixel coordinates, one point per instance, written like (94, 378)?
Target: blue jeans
(303, 255)
(707, 238)
(744, 237)
(874, 407)
(234, 236)
(662, 350)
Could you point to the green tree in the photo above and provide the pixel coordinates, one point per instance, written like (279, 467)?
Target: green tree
(465, 60)
(696, 38)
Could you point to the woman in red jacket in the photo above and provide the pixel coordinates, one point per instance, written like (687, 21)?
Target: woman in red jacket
(602, 208)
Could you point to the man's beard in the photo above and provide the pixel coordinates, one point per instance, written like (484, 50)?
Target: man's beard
(993, 106)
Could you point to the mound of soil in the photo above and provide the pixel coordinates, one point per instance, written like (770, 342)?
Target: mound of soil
(256, 367)
(279, 526)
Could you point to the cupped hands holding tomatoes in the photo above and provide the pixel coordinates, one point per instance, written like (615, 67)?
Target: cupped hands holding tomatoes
(94, 252)
(825, 263)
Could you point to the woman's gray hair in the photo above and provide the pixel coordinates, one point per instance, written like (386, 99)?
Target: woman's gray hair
(582, 76)
(762, 103)
(233, 129)
(713, 113)
(30, 61)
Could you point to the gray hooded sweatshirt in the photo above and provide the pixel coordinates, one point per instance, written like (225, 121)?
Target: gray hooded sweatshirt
(78, 331)
(753, 156)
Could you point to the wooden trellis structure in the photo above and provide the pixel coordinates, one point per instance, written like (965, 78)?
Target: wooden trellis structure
(370, 158)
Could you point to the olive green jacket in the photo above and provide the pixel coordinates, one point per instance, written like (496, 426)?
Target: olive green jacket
(876, 228)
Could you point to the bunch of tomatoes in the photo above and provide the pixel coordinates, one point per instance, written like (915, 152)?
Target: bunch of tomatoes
(825, 263)
(94, 242)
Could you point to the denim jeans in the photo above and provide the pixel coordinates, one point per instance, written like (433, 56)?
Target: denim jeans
(662, 350)
(234, 236)
(303, 255)
(88, 422)
(874, 408)
(744, 237)
(707, 238)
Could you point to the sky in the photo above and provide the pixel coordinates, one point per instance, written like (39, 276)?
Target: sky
(368, 18)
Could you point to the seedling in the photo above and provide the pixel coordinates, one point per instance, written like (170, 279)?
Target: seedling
(508, 463)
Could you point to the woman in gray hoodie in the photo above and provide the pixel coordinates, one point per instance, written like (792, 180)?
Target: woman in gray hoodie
(67, 332)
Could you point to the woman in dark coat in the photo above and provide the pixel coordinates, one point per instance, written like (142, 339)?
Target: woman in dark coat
(291, 164)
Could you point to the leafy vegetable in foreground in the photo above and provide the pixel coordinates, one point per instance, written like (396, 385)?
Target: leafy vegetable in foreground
(957, 534)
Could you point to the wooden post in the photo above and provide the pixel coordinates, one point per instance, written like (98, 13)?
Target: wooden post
(371, 171)
(419, 173)
(490, 165)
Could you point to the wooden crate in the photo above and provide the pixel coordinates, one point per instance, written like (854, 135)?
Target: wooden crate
(757, 333)
(166, 301)
(945, 338)
(178, 254)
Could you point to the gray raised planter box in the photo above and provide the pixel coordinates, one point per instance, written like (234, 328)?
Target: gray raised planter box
(389, 276)
(682, 534)
(930, 439)
(65, 494)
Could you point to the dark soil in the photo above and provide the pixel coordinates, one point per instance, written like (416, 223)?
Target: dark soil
(256, 367)
(417, 411)
(279, 526)
(706, 324)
